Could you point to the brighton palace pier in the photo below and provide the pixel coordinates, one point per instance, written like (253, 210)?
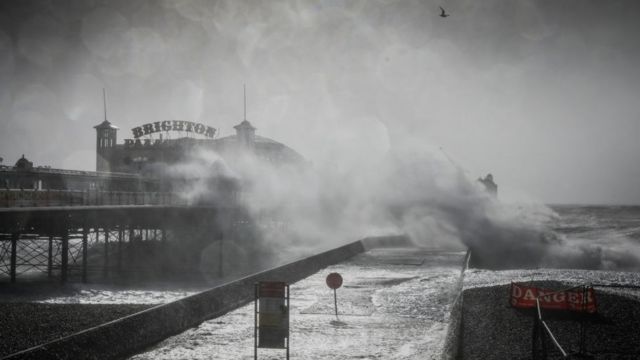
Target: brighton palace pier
(130, 219)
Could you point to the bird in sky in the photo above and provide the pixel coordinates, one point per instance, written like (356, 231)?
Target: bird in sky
(443, 13)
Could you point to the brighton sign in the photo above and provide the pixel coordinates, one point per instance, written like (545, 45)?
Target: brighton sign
(173, 125)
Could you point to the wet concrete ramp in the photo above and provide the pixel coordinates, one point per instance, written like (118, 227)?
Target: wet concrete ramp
(394, 304)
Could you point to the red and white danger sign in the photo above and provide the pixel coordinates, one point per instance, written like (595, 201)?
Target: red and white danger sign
(524, 297)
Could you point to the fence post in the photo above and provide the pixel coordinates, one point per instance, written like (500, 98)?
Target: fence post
(534, 338)
(65, 255)
(85, 233)
(14, 255)
(50, 255)
(120, 236)
(543, 341)
(106, 264)
(583, 330)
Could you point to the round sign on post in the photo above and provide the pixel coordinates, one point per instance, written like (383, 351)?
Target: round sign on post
(334, 281)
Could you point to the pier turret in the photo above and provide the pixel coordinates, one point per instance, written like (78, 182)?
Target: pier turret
(106, 138)
(246, 133)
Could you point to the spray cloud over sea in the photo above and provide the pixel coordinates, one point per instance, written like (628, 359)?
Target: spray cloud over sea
(415, 191)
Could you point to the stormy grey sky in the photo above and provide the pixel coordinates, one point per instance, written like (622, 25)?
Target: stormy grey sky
(543, 94)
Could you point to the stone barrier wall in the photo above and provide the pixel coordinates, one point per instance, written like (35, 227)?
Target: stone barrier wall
(453, 338)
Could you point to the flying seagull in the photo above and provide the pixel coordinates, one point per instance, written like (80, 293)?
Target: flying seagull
(443, 13)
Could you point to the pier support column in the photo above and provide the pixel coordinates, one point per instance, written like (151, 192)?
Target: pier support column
(106, 253)
(64, 266)
(50, 258)
(221, 254)
(14, 256)
(85, 233)
(120, 236)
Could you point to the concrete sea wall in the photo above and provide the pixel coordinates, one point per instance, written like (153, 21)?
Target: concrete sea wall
(127, 335)
(451, 350)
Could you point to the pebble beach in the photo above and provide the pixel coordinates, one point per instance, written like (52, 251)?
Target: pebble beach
(25, 325)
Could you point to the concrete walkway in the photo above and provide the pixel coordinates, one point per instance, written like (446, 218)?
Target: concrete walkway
(394, 304)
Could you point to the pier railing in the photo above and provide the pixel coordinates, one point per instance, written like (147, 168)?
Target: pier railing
(43, 198)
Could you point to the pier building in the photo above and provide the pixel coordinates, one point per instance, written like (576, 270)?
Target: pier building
(152, 145)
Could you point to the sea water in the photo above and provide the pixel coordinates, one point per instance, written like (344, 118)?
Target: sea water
(597, 223)
(613, 229)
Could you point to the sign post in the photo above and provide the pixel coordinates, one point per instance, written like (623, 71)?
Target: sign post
(271, 316)
(334, 281)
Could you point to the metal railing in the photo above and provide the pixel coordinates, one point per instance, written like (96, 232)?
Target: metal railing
(44, 198)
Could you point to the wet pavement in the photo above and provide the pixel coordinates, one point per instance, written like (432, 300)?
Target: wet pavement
(394, 304)
(104, 295)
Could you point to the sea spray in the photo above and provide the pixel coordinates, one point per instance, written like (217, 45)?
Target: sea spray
(299, 209)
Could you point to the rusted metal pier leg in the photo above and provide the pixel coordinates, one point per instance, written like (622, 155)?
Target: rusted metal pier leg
(50, 258)
(14, 256)
(131, 248)
(64, 266)
(50, 228)
(106, 253)
(120, 236)
(85, 233)
(221, 255)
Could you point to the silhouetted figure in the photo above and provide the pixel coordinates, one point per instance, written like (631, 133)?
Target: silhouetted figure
(443, 13)
(489, 184)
